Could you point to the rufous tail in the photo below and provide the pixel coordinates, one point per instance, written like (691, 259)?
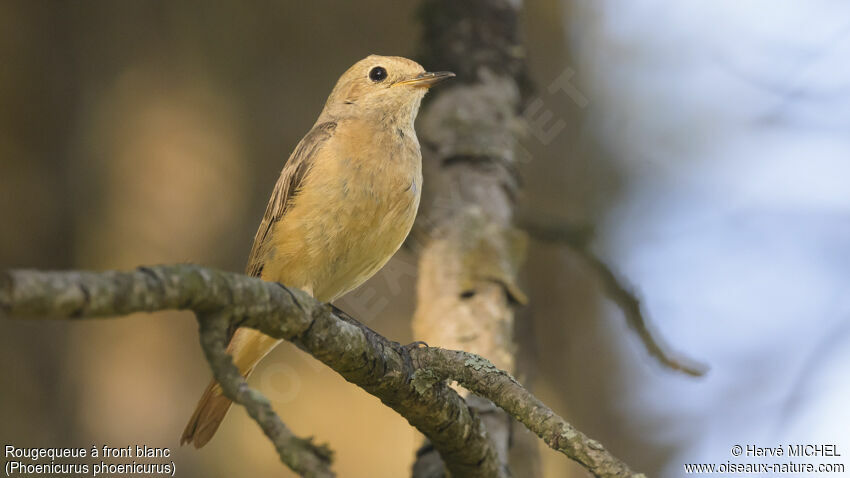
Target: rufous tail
(247, 348)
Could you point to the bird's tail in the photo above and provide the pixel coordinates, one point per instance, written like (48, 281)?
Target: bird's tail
(211, 409)
(247, 348)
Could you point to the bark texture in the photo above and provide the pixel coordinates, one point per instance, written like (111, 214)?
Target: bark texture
(470, 251)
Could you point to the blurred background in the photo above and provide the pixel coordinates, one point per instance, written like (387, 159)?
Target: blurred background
(707, 143)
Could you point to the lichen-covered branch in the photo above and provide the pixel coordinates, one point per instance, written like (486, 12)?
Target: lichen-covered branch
(379, 366)
(299, 454)
(78, 295)
(578, 239)
(409, 380)
(482, 377)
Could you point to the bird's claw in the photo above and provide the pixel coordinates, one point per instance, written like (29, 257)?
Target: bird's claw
(414, 345)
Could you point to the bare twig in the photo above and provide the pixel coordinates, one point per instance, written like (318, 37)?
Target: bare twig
(299, 454)
(578, 239)
(411, 381)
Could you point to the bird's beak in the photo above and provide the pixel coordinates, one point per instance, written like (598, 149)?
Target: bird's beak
(426, 80)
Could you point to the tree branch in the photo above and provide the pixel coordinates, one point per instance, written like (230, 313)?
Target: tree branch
(578, 239)
(78, 295)
(482, 377)
(376, 364)
(409, 381)
(299, 454)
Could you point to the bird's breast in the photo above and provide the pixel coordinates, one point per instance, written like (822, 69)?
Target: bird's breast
(355, 210)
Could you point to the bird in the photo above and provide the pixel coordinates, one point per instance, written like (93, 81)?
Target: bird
(344, 203)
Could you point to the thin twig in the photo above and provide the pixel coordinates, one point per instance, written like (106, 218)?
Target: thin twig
(578, 239)
(299, 454)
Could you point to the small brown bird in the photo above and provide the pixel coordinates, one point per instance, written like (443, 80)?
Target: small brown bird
(343, 205)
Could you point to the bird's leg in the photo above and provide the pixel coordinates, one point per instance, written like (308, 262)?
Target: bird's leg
(351, 320)
(341, 314)
(344, 316)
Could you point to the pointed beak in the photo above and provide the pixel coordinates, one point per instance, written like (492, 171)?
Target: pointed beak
(426, 80)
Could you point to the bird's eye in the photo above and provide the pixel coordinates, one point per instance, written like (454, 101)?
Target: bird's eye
(378, 74)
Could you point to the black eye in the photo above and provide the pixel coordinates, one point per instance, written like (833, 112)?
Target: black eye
(378, 74)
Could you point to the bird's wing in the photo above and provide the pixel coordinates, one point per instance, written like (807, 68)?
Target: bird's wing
(285, 190)
(249, 346)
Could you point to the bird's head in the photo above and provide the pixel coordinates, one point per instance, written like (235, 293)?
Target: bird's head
(389, 88)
